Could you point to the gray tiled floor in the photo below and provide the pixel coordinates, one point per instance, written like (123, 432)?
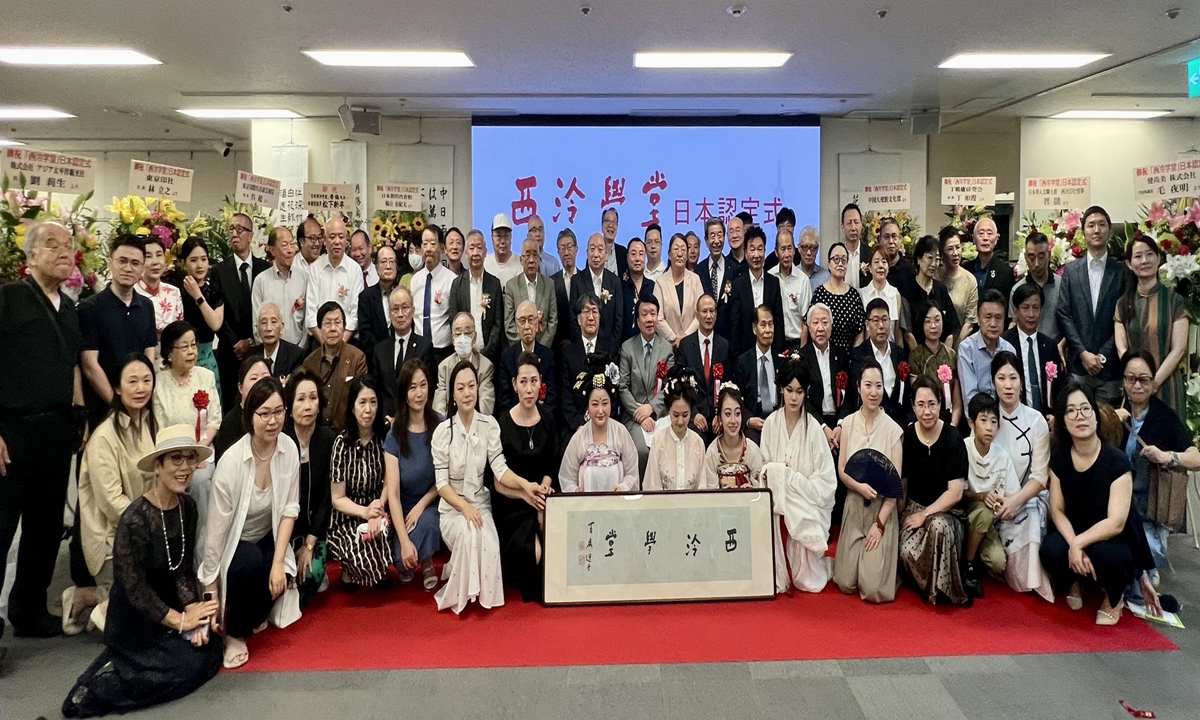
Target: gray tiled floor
(1086, 685)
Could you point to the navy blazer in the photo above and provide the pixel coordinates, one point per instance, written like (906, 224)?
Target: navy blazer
(373, 323)
(629, 328)
(691, 354)
(747, 380)
(1083, 328)
(506, 397)
(897, 408)
(732, 270)
(1047, 351)
(743, 312)
(492, 332)
(287, 358)
(611, 311)
(386, 374)
(839, 362)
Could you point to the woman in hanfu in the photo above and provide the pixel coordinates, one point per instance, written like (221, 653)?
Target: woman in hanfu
(601, 456)
(732, 460)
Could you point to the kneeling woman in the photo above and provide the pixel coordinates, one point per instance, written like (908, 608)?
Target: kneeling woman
(601, 456)
(159, 639)
(935, 474)
(255, 500)
(464, 446)
(732, 460)
(798, 467)
(676, 460)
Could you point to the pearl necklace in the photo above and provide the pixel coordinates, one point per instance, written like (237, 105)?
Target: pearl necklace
(167, 541)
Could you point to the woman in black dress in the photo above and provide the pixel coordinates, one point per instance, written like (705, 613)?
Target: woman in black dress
(160, 642)
(843, 299)
(529, 440)
(314, 439)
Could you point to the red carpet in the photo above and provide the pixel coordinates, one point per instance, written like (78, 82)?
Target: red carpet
(402, 629)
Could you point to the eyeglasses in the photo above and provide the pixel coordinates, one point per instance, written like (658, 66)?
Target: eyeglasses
(1143, 380)
(268, 415)
(180, 459)
(239, 229)
(838, 260)
(1083, 411)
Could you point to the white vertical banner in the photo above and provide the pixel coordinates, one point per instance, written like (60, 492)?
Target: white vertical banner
(290, 166)
(349, 161)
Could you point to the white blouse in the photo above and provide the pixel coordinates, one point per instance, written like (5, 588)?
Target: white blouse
(675, 463)
(460, 455)
(1026, 437)
(174, 404)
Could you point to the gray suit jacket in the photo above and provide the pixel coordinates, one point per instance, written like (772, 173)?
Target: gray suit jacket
(638, 377)
(547, 304)
(1083, 328)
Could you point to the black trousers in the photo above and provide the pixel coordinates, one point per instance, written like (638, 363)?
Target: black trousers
(1112, 559)
(228, 364)
(34, 493)
(248, 598)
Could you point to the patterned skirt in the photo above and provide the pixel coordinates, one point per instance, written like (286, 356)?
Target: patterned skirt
(932, 555)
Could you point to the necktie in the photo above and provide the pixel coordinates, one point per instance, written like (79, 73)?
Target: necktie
(764, 388)
(426, 322)
(1035, 384)
(707, 358)
(246, 281)
(590, 346)
(400, 352)
(646, 355)
(714, 276)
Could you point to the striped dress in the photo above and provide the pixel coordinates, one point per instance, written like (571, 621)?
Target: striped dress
(360, 467)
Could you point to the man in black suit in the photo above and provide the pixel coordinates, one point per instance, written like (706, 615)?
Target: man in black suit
(400, 346)
(616, 256)
(281, 356)
(635, 286)
(479, 292)
(568, 250)
(588, 352)
(528, 327)
(825, 363)
(603, 283)
(990, 272)
(234, 278)
(1034, 348)
(857, 273)
(889, 355)
(756, 369)
(754, 287)
(373, 304)
(707, 355)
(718, 272)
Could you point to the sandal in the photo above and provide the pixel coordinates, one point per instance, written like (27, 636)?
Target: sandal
(429, 576)
(1075, 598)
(1110, 617)
(236, 653)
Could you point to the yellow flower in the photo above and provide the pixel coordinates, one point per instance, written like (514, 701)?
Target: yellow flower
(403, 228)
(143, 230)
(376, 228)
(389, 230)
(90, 242)
(418, 224)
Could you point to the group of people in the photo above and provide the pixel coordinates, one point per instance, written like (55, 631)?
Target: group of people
(377, 409)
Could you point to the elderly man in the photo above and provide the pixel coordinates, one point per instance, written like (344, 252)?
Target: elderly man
(809, 248)
(615, 255)
(857, 273)
(753, 288)
(400, 346)
(603, 283)
(1037, 259)
(336, 362)
(281, 356)
(718, 272)
(528, 321)
(502, 262)
(756, 372)
(587, 353)
(990, 272)
(535, 287)
(825, 362)
(464, 349)
(234, 277)
(360, 252)
(430, 288)
(480, 293)
(643, 359)
(310, 238)
(738, 225)
(40, 384)
(283, 284)
(333, 278)
(537, 232)
(568, 251)
(976, 352)
(707, 355)
(374, 303)
(785, 222)
(796, 290)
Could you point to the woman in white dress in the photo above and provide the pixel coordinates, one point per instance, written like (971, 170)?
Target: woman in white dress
(463, 447)
(798, 468)
(601, 456)
(879, 287)
(733, 460)
(1026, 437)
(676, 460)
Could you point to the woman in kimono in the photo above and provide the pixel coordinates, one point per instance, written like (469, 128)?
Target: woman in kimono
(732, 460)
(868, 547)
(601, 456)
(798, 468)
(463, 447)
(676, 460)
(1026, 437)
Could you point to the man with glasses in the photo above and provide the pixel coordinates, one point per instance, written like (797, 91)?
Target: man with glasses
(283, 284)
(888, 354)
(332, 278)
(584, 352)
(1034, 348)
(718, 272)
(536, 288)
(336, 362)
(809, 247)
(235, 277)
(310, 237)
(616, 261)
(528, 321)
(1037, 260)
(374, 314)
(281, 356)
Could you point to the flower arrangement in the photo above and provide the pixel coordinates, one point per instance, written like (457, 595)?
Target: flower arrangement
(19, 210)
(1066, 240)
(963, 219)
(910, 229)
(398, 229)
(134, 215)
(1178, 234)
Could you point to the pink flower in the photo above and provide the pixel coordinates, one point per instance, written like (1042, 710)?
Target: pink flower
(1072, 220)
(1051, 370)
(1193, 213)
(75, 281)
(92, 280)
(164, 233)
(945, 374)
(1158, 212)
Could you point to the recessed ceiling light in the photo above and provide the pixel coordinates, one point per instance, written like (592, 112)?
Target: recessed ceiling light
(74, 56)
(390, 58)
(693, 60)
(9, 143)
(32, 113)
(1109, 114)
(240, 114)
(1020, 61)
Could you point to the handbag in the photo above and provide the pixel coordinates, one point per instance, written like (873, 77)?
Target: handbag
(1166, 502)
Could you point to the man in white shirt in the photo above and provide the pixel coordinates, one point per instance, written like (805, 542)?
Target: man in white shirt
(1034, 348)
(502, 262)
(809, 248)
(795, 288)
(284, 285)
(888, 354)
(430, 288)
(537, 232)
(360, 252)
(616, 259)
(534, 287)
(655, 266)
(334, 278)
(310, 238)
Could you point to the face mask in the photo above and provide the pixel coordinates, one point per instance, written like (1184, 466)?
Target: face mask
(463, 345)
(416, 261)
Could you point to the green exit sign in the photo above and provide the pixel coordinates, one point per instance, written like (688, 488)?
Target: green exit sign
(1194, 78)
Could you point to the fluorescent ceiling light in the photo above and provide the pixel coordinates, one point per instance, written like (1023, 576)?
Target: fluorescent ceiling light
(240, 114)
(1109, 114)
(9, 143)
(390, 58)
(1020, 61)
(73, 56)
(694, 60)
(32, 113)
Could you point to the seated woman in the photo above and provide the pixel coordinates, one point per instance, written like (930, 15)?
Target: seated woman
(867, 548)
(255, 500)
(732, 460)
(109, 480)
(409, 478)
(1097, 532)
(359, 493)
(250, 371)
(163, 643)
(930, 354)
(798, 467)
(530, 444)
(676, 460)
(336, 362)
(314, 440)
(1152, 433)
(601, 456)
(464, 446)
(935, 472)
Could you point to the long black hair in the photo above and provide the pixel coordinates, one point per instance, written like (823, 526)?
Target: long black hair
(451, 404)
(379, 427)
(117, 407)
(406, 376)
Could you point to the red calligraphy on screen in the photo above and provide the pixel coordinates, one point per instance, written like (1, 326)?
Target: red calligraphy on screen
(526, 206)
(683, 212)
(751, 206)
(705, 212)
(727, 208)
(652, 188)
(573, 192)
(614, 192)
(772, 209)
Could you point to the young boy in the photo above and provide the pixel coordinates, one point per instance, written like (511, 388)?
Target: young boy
(990, 478)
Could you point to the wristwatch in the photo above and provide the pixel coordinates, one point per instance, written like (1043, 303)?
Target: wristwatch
(1103, 359)
(201, 300)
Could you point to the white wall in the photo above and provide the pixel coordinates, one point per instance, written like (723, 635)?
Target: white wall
(1105, 150)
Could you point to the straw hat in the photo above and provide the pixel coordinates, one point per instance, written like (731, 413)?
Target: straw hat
(176, 437)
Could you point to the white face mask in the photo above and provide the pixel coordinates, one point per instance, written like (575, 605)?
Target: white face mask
(463, 346)
(416, 261)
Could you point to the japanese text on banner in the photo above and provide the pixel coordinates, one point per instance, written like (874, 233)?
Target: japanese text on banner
(50, 171)
(257, 190)
(969, 191)
(153, 180)
(1154, 183)
(397, 198)
(884, 197)
(1060, 193)
(329, 199)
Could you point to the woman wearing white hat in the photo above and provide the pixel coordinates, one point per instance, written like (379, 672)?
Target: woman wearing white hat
(159, 639)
